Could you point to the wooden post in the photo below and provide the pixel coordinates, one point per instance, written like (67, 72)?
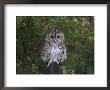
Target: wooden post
(54, 68)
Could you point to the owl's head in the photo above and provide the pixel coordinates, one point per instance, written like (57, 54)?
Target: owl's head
(55, 36)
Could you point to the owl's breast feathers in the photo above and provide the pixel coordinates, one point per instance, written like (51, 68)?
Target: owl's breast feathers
(55, 50)
(55, 53)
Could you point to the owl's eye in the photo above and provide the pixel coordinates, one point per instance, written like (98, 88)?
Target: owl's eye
(58, 36)
(52, 36)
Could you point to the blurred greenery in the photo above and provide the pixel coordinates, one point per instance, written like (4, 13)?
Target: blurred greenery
(79, 40)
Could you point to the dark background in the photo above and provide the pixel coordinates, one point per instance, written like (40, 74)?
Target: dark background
(79, 41)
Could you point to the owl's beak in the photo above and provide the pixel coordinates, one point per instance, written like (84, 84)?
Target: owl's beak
(55, 40)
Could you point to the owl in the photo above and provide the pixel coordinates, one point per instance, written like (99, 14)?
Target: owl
(54, 49)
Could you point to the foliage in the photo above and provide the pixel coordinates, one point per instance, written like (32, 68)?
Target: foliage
(79, 40)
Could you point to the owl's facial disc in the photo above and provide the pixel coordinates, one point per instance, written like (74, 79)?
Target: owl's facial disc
(53, 37)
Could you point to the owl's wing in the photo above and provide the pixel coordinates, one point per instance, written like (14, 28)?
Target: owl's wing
(45, 54)
(64, 55)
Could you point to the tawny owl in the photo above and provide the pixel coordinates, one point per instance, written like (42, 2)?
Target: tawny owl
(54, 49)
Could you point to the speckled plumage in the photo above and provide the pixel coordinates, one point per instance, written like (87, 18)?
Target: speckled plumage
(54, 49)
